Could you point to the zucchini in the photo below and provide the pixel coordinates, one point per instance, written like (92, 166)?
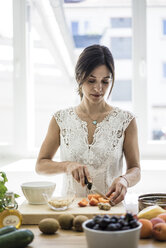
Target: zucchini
(7, 229)
(19, 238)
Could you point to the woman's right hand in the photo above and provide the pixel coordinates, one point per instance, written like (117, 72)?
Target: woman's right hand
(79, 171)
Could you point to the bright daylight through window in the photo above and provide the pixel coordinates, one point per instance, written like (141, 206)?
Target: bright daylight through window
(156, 50)
(57, 33)
(116, 31)
(6, 70)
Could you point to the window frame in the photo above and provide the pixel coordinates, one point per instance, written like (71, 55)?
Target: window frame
(149, 149)
(22, 143)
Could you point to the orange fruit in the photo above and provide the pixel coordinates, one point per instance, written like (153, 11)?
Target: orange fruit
(96, 196)
(83, 203)
(101, 199)
(156, 220)
(93, 202)
(159, 231)
(162, 216)
(146, 229)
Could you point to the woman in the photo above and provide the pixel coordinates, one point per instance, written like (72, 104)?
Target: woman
(93, 136)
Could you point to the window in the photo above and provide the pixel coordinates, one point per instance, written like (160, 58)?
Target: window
(164, 70)
(42, 72)
(121, 47)
(74, 27)
(158, 128)
(120, 22)
(94, 31)
(86, 27)
(139, 71)
(52, 88)
(164, 27)
(6, 72)
(121, 91)
(82, 41)
(156, 87)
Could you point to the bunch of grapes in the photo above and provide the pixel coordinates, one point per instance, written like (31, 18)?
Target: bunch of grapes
(113, 223)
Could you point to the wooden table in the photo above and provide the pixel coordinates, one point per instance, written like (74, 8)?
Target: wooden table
(71, 239)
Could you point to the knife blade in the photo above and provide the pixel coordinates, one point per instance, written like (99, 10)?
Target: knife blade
(92, 187)
(99, 192)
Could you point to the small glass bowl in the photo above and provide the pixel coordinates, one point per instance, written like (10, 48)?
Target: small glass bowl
(59, 203)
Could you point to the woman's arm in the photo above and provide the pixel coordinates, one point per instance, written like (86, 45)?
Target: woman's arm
(131, 152)
(132, 176)
(45, 164)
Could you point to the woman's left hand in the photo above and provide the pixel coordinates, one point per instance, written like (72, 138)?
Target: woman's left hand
(119, 188)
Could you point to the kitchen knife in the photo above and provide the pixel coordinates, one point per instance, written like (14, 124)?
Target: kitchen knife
(87, 183)
(92, 187)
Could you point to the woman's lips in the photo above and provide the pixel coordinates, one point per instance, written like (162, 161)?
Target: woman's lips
(95, 95)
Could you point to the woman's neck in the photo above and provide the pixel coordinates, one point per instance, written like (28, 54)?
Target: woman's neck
(94, 108)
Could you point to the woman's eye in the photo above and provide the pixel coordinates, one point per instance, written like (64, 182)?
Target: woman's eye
(91, 81)
(105, 82)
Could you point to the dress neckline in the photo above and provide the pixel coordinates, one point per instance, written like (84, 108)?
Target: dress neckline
(98, 123)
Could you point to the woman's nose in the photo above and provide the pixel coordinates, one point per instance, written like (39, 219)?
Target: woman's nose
(98, 86)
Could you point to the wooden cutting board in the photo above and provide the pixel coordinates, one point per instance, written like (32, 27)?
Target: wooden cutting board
(32, 214)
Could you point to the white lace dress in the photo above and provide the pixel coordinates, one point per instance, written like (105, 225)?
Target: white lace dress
(104, 157)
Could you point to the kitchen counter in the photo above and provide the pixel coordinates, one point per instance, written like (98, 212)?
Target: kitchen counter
(71, 239)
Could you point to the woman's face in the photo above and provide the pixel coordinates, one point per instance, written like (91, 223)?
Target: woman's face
(96, 85)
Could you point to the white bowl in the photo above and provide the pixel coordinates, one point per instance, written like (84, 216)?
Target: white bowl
(33, 191)
(112, 239)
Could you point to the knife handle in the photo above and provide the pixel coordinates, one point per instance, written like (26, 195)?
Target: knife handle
(89, 185)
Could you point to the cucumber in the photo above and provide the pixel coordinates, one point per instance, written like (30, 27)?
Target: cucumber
(19, 238)
(7, 229)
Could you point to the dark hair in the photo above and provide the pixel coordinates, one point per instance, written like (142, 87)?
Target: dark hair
(92, 57)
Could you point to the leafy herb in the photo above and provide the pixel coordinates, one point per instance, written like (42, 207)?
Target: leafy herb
(3, 189)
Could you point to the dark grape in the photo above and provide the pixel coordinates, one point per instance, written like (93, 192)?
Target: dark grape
(133, 223)
(111, 227)
(104, 222)
(106, 216)
(113, 219)
(90, 224)
(122, 222)
(129, 217)
(113, 223)
(96, 227)
(97, 219)
(118, 226)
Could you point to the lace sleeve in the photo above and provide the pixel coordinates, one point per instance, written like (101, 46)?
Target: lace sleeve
(128, 117)
(58, 117)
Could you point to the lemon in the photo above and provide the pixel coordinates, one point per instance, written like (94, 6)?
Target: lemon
(150, 212)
